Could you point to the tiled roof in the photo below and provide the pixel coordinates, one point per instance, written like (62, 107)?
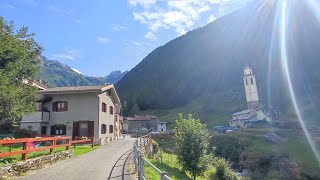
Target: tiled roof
(245, 117)
(74, 89)
(141, 118)
(242, 112)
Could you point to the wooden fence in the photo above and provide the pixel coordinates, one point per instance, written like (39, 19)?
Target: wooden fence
(28, 145)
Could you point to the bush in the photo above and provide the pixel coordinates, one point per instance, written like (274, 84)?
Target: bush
(228, 147)
(220, 170)
(25, 133)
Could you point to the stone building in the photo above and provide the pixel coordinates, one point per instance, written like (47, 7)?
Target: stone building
(256, 113)
(140, 123)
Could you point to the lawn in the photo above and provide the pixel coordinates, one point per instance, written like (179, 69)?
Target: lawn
(81, 149)
(168, 164)
(297, 146)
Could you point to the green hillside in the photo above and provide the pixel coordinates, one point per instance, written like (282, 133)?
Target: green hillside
(201, 72)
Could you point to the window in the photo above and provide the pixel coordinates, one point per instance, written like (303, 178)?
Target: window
(251, 80)
(60, 106)
(104, 107)
(103, 129)
(110, 129)
(246, 81)
(59, 129)
(111, 110)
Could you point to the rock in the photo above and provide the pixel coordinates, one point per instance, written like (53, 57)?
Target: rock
(21, 167)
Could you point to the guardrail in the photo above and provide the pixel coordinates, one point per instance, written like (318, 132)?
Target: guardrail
(139, 160)
(28, 145)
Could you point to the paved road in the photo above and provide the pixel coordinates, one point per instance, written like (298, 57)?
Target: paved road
(94, 165)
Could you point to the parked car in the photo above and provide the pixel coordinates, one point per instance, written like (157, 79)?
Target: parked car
(154, 132)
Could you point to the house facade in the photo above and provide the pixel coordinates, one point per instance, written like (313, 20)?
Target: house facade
(162, 127)
(138, 123)
(90, 111)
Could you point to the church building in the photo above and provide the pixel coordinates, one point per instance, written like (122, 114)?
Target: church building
(255, 114)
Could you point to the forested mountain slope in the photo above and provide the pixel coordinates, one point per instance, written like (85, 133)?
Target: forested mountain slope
(201, 71)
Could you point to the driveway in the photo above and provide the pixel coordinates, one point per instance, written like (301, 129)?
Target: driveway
(94, 165)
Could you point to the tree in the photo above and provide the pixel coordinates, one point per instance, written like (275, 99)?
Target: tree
(134, 110)
(192, 139)
(19, 59)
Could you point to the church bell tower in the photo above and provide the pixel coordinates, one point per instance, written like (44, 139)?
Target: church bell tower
(250, 86)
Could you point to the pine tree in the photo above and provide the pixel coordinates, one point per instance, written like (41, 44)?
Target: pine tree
(19, 61)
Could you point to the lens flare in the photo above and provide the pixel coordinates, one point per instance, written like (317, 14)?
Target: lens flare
(314, 6)
(285, 68)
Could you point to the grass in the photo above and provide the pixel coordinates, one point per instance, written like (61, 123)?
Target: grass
(168, 164)
(7, 160)
(297, 146)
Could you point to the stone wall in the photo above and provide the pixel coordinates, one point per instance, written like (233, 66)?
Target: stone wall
(20, 168)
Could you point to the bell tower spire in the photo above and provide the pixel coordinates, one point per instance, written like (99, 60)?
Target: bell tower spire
(250, 87)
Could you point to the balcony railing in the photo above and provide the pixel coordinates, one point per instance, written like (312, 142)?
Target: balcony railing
(39, 116)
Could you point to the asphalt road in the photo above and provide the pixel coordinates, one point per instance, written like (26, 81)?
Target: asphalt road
(94, 165)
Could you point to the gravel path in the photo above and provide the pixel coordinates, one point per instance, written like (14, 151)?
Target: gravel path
(94, 165)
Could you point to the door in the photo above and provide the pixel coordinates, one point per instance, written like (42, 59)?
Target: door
(83, 129)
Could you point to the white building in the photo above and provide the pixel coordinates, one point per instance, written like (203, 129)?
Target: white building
(250, 87)
(255, 113)
(162, 126)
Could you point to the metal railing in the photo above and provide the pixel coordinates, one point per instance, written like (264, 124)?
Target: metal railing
(139, 160)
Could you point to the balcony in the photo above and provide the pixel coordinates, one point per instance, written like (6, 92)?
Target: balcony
(39, 116)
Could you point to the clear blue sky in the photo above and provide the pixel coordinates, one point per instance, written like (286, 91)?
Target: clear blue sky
(104, 35)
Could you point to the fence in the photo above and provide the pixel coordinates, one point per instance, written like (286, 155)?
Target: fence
(28, 145)
(139, 160)
(83, 141)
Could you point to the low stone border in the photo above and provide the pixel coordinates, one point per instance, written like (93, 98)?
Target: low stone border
(21, 167)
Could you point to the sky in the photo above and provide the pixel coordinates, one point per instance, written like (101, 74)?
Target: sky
(105, 35)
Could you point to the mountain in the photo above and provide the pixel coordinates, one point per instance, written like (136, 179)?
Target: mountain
(201, 71)
(115, 76)
(57, 74)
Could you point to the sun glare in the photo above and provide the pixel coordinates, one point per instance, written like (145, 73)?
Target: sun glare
(283, 15)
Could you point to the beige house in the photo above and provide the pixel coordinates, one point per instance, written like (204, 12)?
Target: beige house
(90, 111)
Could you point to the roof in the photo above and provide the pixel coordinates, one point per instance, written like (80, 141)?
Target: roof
(74, 89)
(275, 138)
(141, 118)
(39, 84)
(245, 118)
(80, 89)
(242, 112)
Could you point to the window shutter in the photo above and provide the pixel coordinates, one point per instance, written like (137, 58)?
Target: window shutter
(64, 130)
(65, 105)
(75, 130)
(90, 128)
(53, 130)
(54, 106)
